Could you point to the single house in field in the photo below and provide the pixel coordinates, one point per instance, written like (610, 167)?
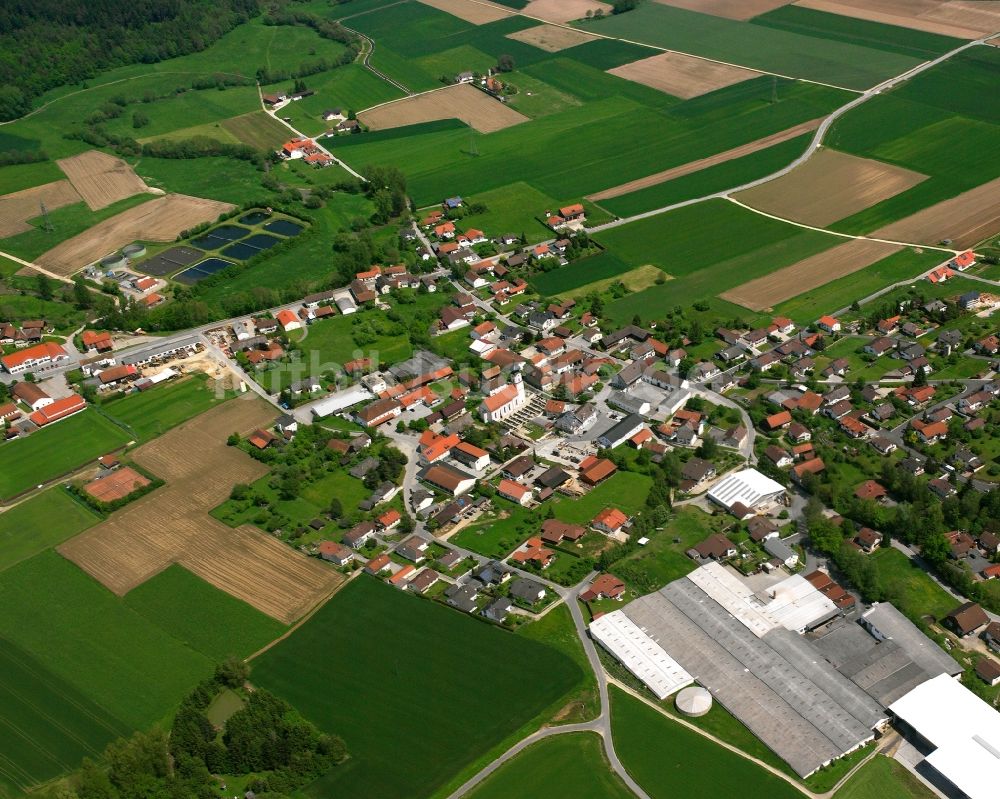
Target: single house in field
(967, 619)
(610, 521)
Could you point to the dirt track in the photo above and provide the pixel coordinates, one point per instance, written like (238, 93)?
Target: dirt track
(161, 219)
(101, 179)
(964, 20)
(704, 163)
(682, 75)
(476, 13)
(20, 206)
(966, 219)
(731, 9)
(172, 525)
(462, 101)
(817, 270)
(830, 186)
(551, 38)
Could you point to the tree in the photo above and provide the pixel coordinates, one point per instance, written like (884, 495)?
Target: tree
(232, 672)
(139, 120)
(920, 377)
(336, 508)
(43, 285)
(505, 63)
(81, 294)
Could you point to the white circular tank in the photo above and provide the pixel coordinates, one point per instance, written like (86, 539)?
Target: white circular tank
(694, 701)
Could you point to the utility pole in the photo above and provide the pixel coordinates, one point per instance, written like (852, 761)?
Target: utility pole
(473, 145)
(46, 222)
(774, 89)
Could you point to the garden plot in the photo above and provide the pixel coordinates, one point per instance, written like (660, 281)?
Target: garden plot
(172, 525)
(551, 38)
(966, 20)
(473, 107)
(828, 187)
(563, 10)
(101, 179)
(162, 219)
(731, 9)
(810, 273)
(682, 75)
(965, 220)
(17, 208)
(474, 12)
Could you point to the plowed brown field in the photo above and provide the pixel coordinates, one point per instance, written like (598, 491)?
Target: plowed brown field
(966, 219)
(731, 9)
(817, 270)
(161, 219)
(476, 13)
(101, 179)
(462, 101)
(562, 10)
(682, 75)
(829, 186)
(172, 525)
(551, 38)
(966, 20)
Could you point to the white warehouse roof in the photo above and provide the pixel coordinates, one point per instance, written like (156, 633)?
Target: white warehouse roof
(749, 487)
(639, 653)
(964, 730)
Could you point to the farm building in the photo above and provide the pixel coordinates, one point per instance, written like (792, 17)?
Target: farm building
(41, 355)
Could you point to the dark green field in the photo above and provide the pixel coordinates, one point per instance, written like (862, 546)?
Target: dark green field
(41, 522)
(153, 412)
(579, 273)
(567, 765)
(417, 690)
(208, 620)
(52, 451)
(48, 726)
(707, 248)
(668, 760)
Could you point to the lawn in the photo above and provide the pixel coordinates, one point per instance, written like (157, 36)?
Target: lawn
(883, 778)
(515, 209)
(56, 450)
(39, 523)
(89, 638)
(716, 178)
(63, 316)
(578, 151)
(556, 629)
(910, 588)
(50, 725)
(567, 765)
(201, 616)
(370, 637)
(788, 53)
(215, 178)
(258, 129)
(668, 760)
(151, 413)
(707, 248)
(349, 490)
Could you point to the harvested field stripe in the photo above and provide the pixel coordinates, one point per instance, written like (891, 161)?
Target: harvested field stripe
(681, 75)
(476, 13)
(101, 179)
(704, 163)
(730, 9)
(810, 273)
(472, 106)
(903, 14)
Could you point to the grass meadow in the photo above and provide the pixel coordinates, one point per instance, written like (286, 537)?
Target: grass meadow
(417, 690)
(567, 765)
(201, 616)
(883, 778)
(41, 522)
(53, 451)
(580, 273)
(784, 52)
(151, 413)
(668, 760)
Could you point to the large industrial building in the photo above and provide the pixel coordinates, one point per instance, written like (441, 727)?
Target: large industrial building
(960, 734)
(809, 683)
(748, 488)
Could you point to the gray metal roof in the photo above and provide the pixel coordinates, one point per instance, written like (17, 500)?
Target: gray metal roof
(890, 623)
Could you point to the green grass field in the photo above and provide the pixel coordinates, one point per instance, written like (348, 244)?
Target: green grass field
(579, 150)
(793, 54)
(710, 180)
(707, 248)
(512, 209)
(579, 273)
(216, 178)
(39, 523)
(883, 778)
(432, 683)
(23, 176)
(259, 130)
(668, 760)
(53, 451)
(204, 618)
(88, 637)
(567, 765)
(914, 591)
(49, 726)
(153, 412)
(63, 316)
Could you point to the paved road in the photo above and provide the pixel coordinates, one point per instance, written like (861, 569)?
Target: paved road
(813, 147)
